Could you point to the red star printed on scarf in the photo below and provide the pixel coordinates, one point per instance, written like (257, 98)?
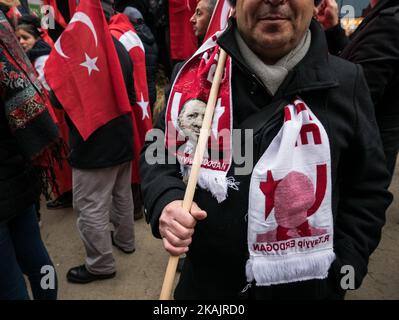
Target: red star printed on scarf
(268, 188)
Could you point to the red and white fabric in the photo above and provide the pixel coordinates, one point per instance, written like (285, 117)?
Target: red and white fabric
(84, 71)
(290, 222)
(193, 83)
(219, 18)
(124, 31)
(183, 42)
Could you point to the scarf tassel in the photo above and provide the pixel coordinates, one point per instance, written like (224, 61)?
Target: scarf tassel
(267, 271)
(213, 181)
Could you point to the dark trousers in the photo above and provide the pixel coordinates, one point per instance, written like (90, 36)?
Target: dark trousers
(22, 252)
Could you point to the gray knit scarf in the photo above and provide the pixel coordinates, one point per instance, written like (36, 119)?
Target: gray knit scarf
(273, 76)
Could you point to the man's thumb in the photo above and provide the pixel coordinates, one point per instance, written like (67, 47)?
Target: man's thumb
(197, 213)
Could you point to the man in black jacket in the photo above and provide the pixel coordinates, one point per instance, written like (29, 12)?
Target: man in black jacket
(277, 54)
(375, 46)
(101, 176)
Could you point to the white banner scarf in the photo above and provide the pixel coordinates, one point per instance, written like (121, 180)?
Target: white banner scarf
(290, 224)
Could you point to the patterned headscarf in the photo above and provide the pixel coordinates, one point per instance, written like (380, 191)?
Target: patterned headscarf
(23, 97)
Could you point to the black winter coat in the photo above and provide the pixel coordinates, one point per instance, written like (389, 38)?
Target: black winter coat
(375, 46)
(151, 58)
(337, 93)
(112, 144)
(19, 183)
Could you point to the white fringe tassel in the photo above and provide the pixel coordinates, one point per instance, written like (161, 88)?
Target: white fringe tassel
(215, 183)
(267, 271)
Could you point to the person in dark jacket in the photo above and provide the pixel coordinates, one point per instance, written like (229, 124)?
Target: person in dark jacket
(375, 46)
(141, 5)
(26, 134)
(278, 55)
(150, 48)
(101, 175)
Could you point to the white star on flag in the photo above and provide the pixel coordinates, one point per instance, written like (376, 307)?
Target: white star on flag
(144, 107)
(219, 110)
(90, 64)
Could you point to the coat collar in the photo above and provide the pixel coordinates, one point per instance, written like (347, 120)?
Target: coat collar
(312, 73)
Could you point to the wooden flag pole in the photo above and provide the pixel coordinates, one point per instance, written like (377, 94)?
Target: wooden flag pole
(170, 274)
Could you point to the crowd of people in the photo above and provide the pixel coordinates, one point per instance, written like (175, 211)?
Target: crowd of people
(325, 138)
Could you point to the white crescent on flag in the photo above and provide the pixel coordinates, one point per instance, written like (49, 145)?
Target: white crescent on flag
(77, 17)
(225, 15)
(130, 40)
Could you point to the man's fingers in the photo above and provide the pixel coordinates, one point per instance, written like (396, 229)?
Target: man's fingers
(181, 231)
(174, 251)
(186, 220)
(176, 226)
(175, 240)
(180, 215)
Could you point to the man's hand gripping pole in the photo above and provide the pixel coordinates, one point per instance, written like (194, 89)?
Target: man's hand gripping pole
(170, 274)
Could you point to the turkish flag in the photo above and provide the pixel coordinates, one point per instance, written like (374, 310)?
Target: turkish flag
(62, 168)
(72, 7)
(84, 71)
(14, 13)
(183, 42)
(124, 31)
(219, 18)
(46, 37)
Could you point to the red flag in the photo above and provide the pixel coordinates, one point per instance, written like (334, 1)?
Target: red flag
(62, 168)
(219, 18)
(57, 13)
(84, 71)
(14, 13)
(46, 37)
(72, 8)
(183, 42)
(123, 30)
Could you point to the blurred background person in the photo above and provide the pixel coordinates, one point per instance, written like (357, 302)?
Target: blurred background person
(150, 48)
(30, 37)
(201, 18)
(375, 46)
